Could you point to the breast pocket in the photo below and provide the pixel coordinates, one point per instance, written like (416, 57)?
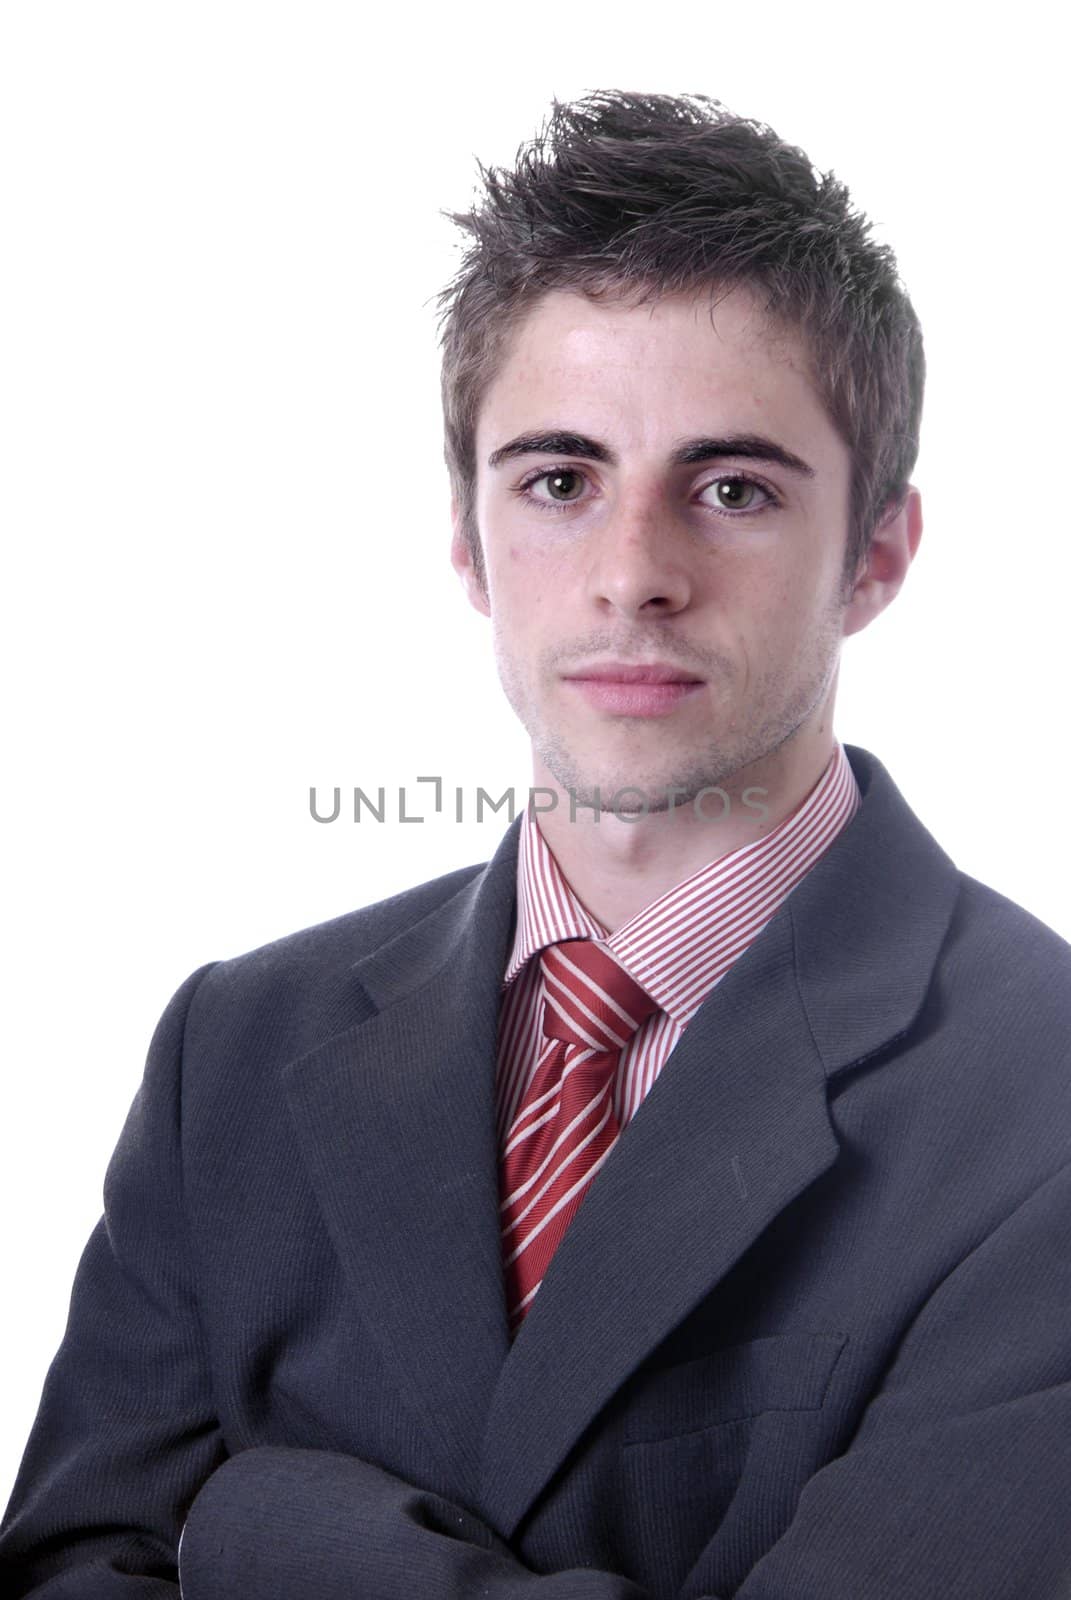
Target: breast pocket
(784, 1372)
(742, 1421)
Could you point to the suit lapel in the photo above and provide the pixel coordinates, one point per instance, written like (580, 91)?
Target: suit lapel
(396, 1121)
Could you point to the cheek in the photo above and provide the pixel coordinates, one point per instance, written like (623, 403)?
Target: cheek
(771, 624)
(787, 595)
(523, 580)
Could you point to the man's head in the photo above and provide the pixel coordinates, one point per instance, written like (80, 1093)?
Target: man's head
(682, 397)
(642, 195)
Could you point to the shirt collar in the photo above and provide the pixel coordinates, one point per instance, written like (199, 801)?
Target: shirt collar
(680, 945)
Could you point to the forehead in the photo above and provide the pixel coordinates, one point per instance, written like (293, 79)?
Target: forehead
(645, 372)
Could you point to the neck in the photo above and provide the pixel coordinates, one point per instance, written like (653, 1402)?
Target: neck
(616, 865)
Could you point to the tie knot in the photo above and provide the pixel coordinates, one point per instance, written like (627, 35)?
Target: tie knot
(591, 1000)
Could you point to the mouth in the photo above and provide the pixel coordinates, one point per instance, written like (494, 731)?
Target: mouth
(625, 672)
(627, 690)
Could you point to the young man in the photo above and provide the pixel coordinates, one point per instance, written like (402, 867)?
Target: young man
(677, 1205)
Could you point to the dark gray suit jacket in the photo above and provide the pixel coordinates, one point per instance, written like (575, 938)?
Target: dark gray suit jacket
(809, 1337)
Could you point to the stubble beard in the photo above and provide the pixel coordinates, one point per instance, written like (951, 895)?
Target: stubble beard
(774, 711)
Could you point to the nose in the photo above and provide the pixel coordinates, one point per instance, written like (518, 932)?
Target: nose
(638, 566)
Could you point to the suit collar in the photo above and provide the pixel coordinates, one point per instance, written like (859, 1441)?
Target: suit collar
(396, 1118)
(869, 921)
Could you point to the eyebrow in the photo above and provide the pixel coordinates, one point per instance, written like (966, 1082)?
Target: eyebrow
(744, 446)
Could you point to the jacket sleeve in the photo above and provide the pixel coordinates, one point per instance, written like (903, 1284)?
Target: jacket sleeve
(126, 1432)
(957, 1483)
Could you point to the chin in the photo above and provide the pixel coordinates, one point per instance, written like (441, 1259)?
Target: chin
(593, 792)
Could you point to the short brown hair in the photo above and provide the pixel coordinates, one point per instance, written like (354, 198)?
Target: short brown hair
(637, 195)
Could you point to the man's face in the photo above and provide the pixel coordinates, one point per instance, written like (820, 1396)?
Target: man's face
(718, 562)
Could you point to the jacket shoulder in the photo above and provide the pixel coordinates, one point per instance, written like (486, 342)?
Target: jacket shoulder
(1010, 974)
(1001, 933)
(296, 990)
(353, 934)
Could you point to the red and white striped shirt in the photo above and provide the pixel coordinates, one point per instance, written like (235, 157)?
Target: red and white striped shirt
(677, 948)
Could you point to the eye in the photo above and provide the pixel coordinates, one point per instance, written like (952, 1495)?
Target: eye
(736, 493)
(562, 482)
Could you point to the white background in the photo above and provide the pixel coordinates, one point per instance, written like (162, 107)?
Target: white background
(225, 513)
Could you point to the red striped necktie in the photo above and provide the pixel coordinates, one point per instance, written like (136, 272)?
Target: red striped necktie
(566, 1126)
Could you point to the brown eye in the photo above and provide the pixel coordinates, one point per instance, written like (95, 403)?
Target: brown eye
(565, 485)
(736, 494)
(561, 483)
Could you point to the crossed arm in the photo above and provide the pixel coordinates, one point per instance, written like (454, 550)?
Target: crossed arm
(956, 1486)
(930, 1515)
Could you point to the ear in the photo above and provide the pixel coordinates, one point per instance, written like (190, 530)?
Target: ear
(892, 550)
(468, 569)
